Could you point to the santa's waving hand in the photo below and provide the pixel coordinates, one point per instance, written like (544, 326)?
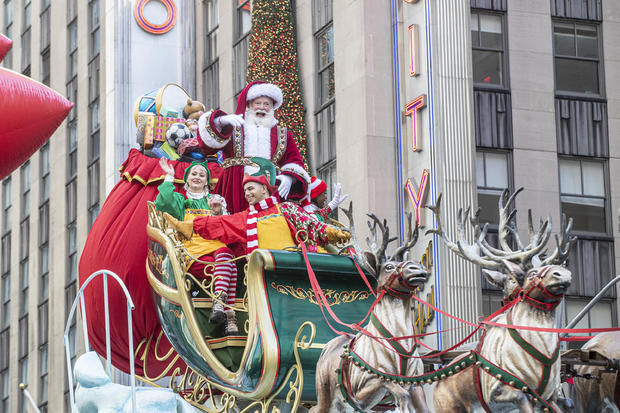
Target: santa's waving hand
(253, 131)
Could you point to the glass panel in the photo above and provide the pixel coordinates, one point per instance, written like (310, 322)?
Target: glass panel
(72, 273)
(587, 41)
(480, 169)
(327, 84)
(496, 170)
(487, 67)
(8, 12)
(593, 180)
(600, 316)
(491, 31)
(564, 39)
(212, 14)
(573, 308)
(576, 76)
(588, 213)
(326, 47)
(244, 20)
(475, 40)
(570, 177)
(487, 202)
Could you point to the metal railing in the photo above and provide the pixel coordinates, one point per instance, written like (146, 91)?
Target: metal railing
(130, 306)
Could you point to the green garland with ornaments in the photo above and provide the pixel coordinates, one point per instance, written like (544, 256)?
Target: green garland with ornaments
(273, 58)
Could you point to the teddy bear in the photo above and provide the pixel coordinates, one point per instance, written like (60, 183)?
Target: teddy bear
(192, 112)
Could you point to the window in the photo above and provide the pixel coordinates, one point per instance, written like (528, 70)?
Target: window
(325, 59)
(8, 30)
(4, 390)
(212, 24)
(25, 189)
(44, 172)
(94, 43)
(243, 20)
(582, 194)
(487, 40)
(72, 49)
(25, 41)
(4, 370)
(93, 164)
(71, 9)
(6, 205)
(492, 178)
(45, 24)
(24, 268)
(5, 285)
(210, 73)
(43, 375)
(325, 116)
(576, 50)
(243, 25)
(23, 378)
(72, 259)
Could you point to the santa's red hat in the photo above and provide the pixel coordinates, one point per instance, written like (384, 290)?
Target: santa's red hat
(257, 89)
(316, 187)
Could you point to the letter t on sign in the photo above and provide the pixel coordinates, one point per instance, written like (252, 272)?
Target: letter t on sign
(417, 197)
(412, 109)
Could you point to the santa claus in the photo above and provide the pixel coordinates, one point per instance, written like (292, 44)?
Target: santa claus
(253, 131)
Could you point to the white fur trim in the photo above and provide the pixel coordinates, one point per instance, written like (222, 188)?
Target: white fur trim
(265, 89)
(207, 135)
(256, 142)
(297, 170)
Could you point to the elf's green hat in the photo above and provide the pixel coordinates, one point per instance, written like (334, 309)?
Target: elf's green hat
(189, 168)
(266, 174)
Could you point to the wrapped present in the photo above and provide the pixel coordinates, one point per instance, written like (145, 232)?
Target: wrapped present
(169, 151)
(188, 145)
(154, 128)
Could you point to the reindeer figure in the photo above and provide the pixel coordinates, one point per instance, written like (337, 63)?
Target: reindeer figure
(530, 356)
(346, 384)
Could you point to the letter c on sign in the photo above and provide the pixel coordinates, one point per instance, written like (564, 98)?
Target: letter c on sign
(166, 26)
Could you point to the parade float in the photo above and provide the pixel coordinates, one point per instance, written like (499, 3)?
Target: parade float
(340, 331)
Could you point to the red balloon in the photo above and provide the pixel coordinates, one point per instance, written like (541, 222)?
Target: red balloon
(29, 113)
(5, 46)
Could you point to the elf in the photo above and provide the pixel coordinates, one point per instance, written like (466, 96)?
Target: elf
(317, 196)
(199, 202)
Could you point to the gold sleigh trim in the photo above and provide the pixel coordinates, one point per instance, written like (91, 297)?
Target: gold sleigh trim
(332, 296)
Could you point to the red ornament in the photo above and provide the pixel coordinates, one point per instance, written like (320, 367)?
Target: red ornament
(5, 46)
(29, 113)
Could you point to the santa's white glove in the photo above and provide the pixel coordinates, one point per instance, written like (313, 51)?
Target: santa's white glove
(285, 185)
(337, 199)
(233, 120)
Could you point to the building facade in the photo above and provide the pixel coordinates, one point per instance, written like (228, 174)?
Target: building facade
(404, 100)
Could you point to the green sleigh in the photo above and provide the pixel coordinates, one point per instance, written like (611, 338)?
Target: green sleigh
(282, 328)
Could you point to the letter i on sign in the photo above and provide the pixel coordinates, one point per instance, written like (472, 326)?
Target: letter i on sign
(417, 197)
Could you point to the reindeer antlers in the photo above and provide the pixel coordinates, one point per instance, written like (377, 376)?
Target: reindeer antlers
(482, 253)
(385, 237)
(412, 237)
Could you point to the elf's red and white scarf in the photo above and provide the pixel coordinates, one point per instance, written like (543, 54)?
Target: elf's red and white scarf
(252, 231)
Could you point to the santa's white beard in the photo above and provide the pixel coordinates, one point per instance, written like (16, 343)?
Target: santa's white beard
(268, 120)
(257, 136)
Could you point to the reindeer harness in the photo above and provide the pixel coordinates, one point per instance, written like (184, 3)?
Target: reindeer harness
(474, 359)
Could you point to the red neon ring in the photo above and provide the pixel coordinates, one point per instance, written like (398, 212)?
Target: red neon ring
(165, 27)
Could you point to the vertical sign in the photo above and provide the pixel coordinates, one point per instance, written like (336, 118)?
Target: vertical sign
(412, 109)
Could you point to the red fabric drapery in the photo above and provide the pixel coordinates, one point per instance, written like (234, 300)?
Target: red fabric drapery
(117, 242)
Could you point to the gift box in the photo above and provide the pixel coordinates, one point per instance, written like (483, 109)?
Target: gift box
(153, 128)
(188, 145)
